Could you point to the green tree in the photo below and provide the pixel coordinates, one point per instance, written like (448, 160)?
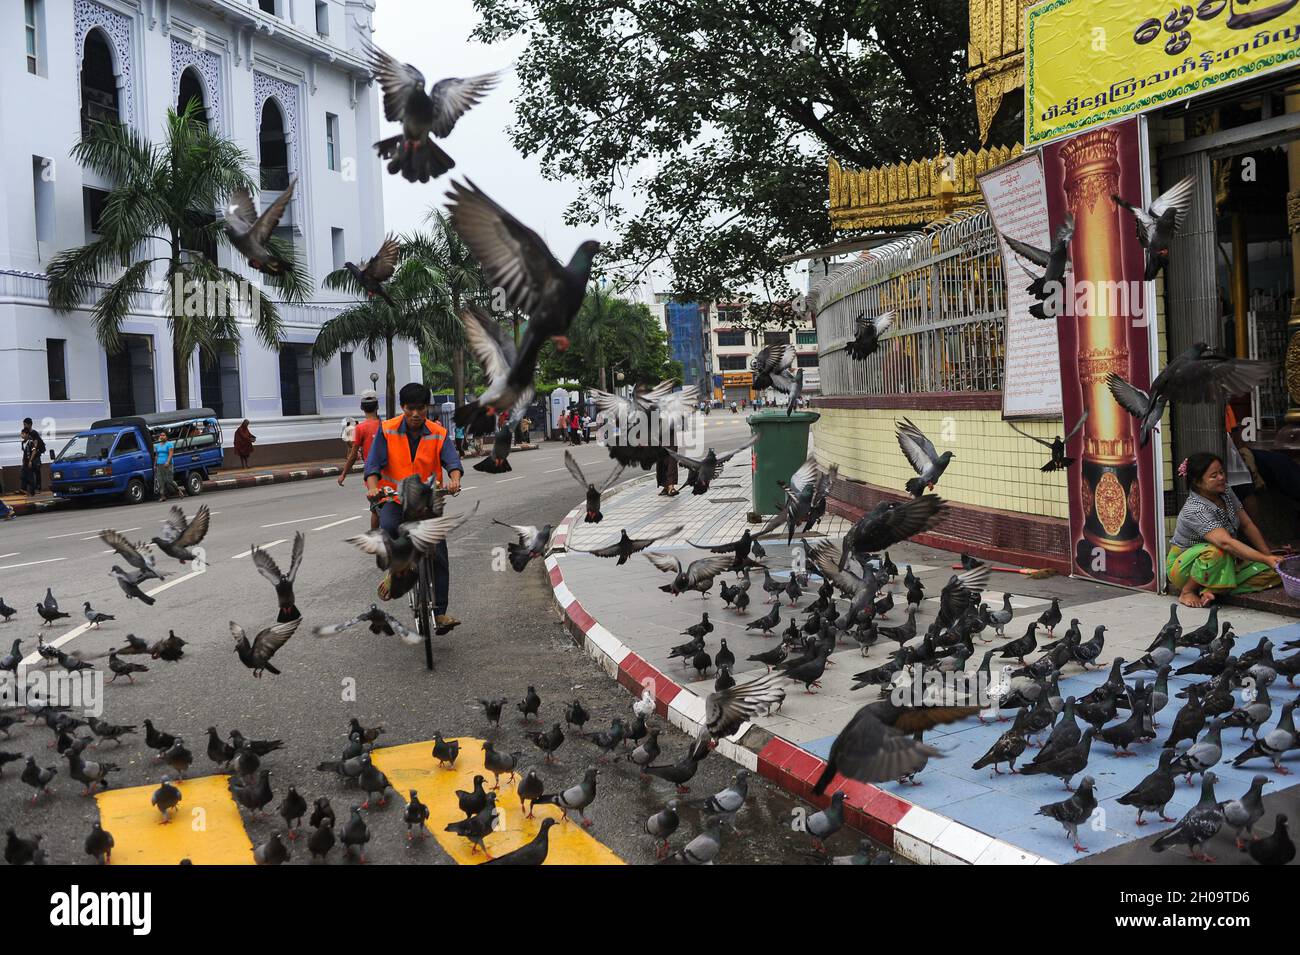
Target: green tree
(419, 314)
(162, 200)
(609, 335)
(734, 107)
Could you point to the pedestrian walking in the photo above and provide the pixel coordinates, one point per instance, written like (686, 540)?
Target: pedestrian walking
(32, 449)
(363, 435)
(244, 443)
(164, 478)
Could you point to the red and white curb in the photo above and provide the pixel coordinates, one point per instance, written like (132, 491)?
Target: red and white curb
(916, 833)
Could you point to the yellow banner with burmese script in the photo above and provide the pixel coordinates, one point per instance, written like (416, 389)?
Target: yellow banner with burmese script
(1090, 62)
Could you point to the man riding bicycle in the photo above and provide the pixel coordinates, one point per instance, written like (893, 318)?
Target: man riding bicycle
(412, 444)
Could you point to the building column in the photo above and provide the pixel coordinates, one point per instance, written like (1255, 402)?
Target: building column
(1109, 471)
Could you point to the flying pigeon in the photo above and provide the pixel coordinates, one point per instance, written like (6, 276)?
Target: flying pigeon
(130, 584)
(413, 153)
(593, 493)
(925, 460)
(414, 538)
(509, 378)
(626, 546)
(1056, 446)
(257, 655)
(772, 368)
(283, 583)
(379, 622)
(1157, 224)
(698, 575)
(497, 461)
(867, 335)
(1197, 376)
(532, 543)
(134, 554)
(795, 391)
(377, 270)
(1054, 262)
(179, 534)
(516, 260)
(250, 233)
(705, 470)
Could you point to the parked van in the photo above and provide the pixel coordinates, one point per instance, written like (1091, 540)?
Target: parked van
(115, 457)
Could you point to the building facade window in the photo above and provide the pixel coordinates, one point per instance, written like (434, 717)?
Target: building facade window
(219, 381)
(730, 314)
(733, 337)
(56, 363)
(131, 378)
(808, 360)
(33, 17)
(297, 380)
(191, 91)
(268, 6)
(776, 338)
(43, 198)
(338, 248)
(99, 95)
(806, 336)
(92, 205)
(273, 148)
(322, 18)
(345, 368)
(733, 362)
(331, 141)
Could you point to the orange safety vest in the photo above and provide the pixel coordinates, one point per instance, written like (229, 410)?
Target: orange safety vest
(428, 457)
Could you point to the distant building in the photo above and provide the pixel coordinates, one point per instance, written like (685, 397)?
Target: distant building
(688, 343)
(734, 342)
(285, 81)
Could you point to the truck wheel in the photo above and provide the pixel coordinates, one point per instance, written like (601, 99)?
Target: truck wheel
(134, 493)
(194, 483)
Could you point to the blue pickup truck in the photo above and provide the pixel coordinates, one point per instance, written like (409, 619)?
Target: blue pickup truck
(115, 457)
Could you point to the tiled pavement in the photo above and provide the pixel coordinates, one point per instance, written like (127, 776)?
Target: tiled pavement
(625, 601)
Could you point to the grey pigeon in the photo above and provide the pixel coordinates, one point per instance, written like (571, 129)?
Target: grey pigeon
(321, 841)
(533, 852)
(532, 542)
(1201, 755)
(413, 153)
(377, 270)
(250, 233)
(99, 844)
(773, 367)
(1153, 793)
(130, 584)
(282, 582)
(1157, 223)
(867, 335)
(1054, 262)
(727, 803)
(179, 534)
(1275, 743)
(257, 654)
(704, 848)
(825, 823)
(706, 469)
(1243, 813)
(271, 852)
(94, 617)
(663, 824)
(1199, 824)
(575, 798)
(1073, 812)
(355, 834)
(123, 667)
(920, 452)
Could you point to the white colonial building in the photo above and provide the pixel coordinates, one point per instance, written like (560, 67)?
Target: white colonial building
(284, 80)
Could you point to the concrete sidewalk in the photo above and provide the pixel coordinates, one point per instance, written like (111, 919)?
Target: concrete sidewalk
(956, 814)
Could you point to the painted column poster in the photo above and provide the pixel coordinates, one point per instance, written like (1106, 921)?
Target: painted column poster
(1113, 487)
(1014, 195)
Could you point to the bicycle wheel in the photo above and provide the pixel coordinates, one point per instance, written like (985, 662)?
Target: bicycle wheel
(423, 609)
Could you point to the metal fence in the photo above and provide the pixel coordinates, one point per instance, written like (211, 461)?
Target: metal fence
(946, 288)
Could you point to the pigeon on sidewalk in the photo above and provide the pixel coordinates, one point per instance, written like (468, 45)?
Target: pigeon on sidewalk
(575, 798)
(1243, 813)
(1199, 824)
(1073, 812)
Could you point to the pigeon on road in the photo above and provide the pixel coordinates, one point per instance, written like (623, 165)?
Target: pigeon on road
(593, 492)
(130, 584)
(257, 655)
(282, 582)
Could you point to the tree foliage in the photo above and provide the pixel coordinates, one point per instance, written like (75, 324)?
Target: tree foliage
(609, 335)
(722, 114)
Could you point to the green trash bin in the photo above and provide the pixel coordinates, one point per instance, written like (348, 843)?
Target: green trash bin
(781, 449)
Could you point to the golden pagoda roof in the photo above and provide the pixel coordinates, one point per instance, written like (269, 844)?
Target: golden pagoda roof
(996, 54)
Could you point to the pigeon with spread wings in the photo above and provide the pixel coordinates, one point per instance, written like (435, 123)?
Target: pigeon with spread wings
(698, 575)
(871, 750)
(866, 340)
(646, 424)
(510, 379)
(413, 153)
(377, 270)
(773, 367)
(593, 493)
(919, 450)
(257, 654)
(137, 555)
(1055, 262)
(725, 711)
(532, 543)
(283, 583)
(1059, 461)
(250, 233)
(414, 538)
(626, 546)
(890, 523)
(497, 461)
(1157, 224)
(516, 261)
(705, 469)
(179, 535)
(1197, 376)
(379, 621)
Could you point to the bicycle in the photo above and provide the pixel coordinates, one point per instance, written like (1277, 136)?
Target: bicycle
(421, 597)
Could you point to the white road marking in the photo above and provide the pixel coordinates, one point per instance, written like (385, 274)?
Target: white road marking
(325, 527)
(172, 583)
(14, 554)
(301, 520)
(262, 546)
(508, 480)
(79, 533)
(32, 563)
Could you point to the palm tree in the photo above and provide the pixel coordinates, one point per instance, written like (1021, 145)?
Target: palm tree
(163, 199)
(599, 331)
(462, 281)
(419, 313)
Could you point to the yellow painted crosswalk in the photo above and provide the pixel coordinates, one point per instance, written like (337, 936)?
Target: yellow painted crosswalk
(413, 767)
(205, 828)
(208, 829)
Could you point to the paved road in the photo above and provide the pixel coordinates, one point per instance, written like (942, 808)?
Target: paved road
(510, 638)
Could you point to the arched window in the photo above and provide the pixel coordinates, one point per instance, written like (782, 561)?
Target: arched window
(191, 91)
(99, 99)
(273, 148)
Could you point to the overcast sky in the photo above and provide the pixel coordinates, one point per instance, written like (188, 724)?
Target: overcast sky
(434, 36)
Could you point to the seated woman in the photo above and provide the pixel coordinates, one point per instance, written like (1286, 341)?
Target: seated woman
(1216, 548)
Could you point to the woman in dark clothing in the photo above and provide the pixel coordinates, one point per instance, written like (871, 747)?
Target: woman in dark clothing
(666, 474)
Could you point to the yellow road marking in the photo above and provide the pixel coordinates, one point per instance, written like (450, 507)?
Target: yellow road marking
(141, 838)
(412, 766)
